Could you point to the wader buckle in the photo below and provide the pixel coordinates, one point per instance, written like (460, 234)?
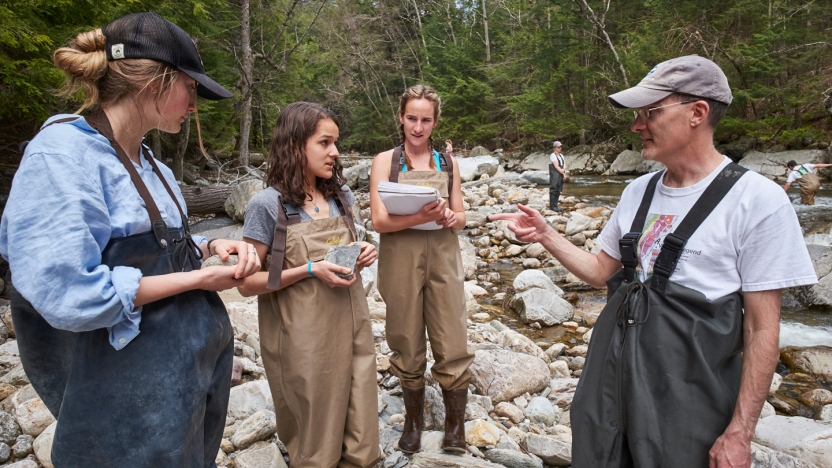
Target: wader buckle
(160, 230)
(666, 264)
(628, 247)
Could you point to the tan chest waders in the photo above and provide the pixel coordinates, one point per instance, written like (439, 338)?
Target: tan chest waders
(421, 280)
(318, 351)
(809, 184)
(663, 368)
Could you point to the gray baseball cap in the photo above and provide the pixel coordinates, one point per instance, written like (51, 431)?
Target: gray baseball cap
(556, 144)
(691, 74)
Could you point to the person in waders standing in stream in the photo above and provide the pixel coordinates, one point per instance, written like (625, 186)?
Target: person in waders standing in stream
(807, 180)
(682, 356)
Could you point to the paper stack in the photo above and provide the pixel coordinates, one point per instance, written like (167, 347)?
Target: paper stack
(403, 200)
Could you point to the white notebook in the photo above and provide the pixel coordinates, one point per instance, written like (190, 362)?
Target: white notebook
(403, 200)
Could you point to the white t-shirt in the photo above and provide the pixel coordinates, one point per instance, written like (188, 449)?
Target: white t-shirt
(797, 173)
(556, 157)
(739, 246)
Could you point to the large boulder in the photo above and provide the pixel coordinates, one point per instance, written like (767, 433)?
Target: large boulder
(503, 375)
(474, 167)
(479, 151)
(800, 437)
(537, 177)
(586, 163)
(815, 360)
(469, 257)
(764, 457)
(541, 306)
(249, 398)
(237, 202)
(358, 176)
(520, 344)
(774, 164)
(260, 455)
(631, 162)
(536, 162)
(552, 451)
(528, 279)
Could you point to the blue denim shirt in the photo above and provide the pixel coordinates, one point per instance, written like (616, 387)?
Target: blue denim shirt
(69, 197)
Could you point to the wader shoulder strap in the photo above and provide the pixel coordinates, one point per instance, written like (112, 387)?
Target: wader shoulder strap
(152, 161)
(101, 123)
(286, 216)
(674, 243)
(396, 163)
(447, 165)
(346, 210)
(628, 245)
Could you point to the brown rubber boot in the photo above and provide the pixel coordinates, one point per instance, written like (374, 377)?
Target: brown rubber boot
(414, 404)
(455, 401)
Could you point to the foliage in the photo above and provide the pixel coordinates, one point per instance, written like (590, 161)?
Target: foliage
(551, 66)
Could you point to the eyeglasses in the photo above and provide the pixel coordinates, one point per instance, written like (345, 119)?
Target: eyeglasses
(645, 113)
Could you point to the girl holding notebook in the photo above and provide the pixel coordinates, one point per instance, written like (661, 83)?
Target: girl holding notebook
(420, 271)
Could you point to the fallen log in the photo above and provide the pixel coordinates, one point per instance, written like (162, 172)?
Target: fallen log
(206, 200)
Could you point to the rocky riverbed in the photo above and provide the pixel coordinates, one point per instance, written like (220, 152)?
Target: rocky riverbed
(530, 323)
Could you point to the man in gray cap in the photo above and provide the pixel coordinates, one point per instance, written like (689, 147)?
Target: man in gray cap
(557, 174)
(682, 356)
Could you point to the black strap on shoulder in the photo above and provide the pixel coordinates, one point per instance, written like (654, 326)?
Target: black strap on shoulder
(288, 215)
(24, 144)
(674, 243)
(628, 244)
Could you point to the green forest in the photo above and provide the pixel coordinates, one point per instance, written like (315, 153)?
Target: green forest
(513, 74)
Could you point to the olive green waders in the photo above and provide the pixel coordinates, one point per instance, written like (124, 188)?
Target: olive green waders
(663, 368)
(318, 351)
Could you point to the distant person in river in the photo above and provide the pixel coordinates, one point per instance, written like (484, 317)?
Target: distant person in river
(807, 179)
(682, 356)
(120, 332)
(557, 175)
(420, 272)
(315, 330)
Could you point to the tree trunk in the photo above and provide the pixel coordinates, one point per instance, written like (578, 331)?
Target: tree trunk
(485, 25)
(206, 200)
(248, 65)
(181, 146)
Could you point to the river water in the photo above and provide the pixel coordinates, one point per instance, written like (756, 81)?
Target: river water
(798, 326)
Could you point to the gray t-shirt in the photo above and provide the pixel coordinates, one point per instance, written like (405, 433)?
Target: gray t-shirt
(261, 214)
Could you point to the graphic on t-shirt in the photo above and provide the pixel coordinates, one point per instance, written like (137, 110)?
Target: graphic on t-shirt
(656, 228)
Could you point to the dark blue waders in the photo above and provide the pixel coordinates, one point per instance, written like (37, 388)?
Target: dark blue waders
(663, 368)
(160, 401)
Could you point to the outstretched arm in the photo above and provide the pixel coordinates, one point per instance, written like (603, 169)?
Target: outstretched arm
(529, 226)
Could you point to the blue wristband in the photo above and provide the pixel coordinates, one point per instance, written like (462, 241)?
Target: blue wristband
(309, 269)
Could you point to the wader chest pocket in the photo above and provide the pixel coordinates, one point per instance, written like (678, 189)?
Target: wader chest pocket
(319, 243)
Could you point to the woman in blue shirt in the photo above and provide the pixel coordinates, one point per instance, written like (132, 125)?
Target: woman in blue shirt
(118, 328)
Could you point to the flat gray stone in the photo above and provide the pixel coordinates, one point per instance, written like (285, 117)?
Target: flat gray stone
(443, 460)
(512, 459)
(345, 256)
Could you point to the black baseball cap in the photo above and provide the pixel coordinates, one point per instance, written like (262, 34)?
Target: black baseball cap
(149, 36)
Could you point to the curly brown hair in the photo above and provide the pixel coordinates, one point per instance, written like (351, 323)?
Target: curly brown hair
(287, 156)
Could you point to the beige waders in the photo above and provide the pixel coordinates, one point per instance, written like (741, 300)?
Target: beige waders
(809, 184)
(318, 352)
(420, 278)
